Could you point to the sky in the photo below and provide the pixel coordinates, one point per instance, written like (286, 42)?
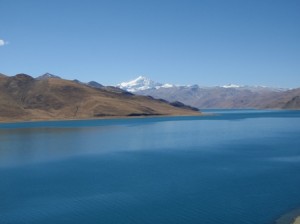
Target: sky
(205, 42)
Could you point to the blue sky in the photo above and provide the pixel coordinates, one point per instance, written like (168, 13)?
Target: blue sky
(206, 42)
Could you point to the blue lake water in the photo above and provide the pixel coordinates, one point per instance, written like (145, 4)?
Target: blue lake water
(235, 167)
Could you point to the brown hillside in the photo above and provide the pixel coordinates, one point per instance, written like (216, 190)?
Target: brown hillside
(229, 98)
(25, 98)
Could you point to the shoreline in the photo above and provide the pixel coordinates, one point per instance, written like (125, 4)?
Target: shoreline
(297, 220)
(112, 117)
(101, 118)
(292, 217)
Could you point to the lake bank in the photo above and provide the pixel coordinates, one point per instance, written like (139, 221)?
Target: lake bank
(9, 121)
(292, 217)
(297, 220)
(106, 118)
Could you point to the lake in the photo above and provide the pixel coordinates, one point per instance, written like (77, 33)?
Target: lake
(237, 166)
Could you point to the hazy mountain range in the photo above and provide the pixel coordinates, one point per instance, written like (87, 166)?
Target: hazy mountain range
(49, 97)
(227, 96)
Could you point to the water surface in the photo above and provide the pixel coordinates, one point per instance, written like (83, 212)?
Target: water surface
(235, 167)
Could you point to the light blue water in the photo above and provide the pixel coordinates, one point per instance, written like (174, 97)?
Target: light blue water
(236, 167)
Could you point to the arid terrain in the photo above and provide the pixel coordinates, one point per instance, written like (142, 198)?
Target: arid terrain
(24, 98)
(229, 98)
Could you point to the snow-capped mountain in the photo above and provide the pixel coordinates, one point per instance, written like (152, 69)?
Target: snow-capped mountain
(223, 96)
(254, 88)
(232, 86)
(142, 83)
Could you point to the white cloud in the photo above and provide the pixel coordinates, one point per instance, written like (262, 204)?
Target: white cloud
(2, 42)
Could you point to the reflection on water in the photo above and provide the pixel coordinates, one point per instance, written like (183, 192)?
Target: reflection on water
(239, 167)
(24, 145)
(35, 144)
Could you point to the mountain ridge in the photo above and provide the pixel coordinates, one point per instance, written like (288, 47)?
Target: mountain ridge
(142, 83)
(24, 98)
(231, 96)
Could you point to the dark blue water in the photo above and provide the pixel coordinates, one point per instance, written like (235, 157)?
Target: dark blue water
(235, 167)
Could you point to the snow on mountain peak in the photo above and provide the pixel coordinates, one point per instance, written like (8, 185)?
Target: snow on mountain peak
(167, 85)
(141, 83)
(231, 86)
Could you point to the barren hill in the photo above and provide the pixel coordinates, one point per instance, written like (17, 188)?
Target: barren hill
(219, 97)
(24, 98)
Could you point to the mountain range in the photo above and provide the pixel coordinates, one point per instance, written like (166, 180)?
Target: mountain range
(227, 96)
(142, 83)
(49, 97)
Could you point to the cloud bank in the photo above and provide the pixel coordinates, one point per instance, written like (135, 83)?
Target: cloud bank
(2, 42)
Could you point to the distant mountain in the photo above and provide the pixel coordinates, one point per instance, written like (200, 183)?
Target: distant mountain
(24, 98)
(227, 96)
(231, 86)
(47, 76)
(94, 84)
(142, 83)
(289, 99)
